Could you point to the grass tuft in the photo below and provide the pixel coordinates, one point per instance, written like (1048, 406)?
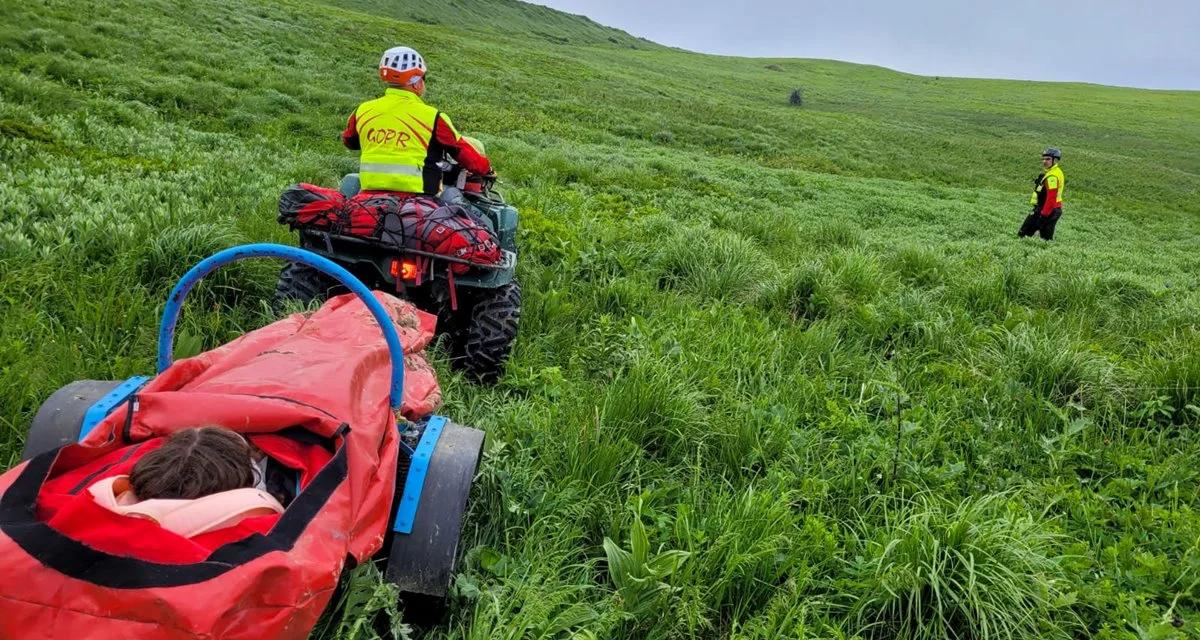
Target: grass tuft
(970, 570)
(714, 264)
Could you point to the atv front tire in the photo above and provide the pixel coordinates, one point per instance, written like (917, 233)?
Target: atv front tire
(488, 338)
(304, 284)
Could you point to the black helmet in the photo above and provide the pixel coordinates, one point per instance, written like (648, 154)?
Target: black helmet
(1052, 153)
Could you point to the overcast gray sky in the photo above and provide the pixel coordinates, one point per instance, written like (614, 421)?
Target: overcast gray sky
(1147, 43)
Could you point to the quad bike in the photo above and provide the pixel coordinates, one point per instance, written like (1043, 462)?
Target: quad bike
(383, 488)
(478, 311)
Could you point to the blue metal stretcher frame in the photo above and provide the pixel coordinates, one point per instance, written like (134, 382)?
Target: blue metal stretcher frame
(105, 405)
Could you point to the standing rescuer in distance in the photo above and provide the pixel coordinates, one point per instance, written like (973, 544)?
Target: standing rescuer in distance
(1046, 199)
(401, 138)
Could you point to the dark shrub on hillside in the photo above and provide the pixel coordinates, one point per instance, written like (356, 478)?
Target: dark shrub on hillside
(797, 97)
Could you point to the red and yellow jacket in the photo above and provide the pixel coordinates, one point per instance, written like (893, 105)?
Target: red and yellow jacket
(1047, 194)
(402, 139)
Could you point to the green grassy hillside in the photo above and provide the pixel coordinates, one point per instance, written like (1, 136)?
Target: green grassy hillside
(782, 373)
(494, 18)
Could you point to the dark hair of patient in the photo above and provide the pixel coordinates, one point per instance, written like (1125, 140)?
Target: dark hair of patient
(193, 463)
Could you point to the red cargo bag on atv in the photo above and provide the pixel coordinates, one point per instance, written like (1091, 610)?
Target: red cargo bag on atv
(307, 205)
(443, 229)
(410, 222)
(312, 392)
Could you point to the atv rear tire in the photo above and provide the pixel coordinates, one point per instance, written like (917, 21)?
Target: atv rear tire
(488, 338)
(304, 284)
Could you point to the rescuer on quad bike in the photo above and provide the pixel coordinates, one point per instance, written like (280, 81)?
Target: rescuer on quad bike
(401, 138)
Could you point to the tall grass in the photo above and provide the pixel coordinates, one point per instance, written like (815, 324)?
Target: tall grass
(977, 569)
(801, 348)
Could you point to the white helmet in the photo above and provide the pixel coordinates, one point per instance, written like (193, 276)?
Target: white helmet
(401, 65)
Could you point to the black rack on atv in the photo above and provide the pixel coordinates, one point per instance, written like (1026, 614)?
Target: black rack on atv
(404, 266)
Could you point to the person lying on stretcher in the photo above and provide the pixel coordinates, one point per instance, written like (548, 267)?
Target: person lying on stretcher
(201, 479)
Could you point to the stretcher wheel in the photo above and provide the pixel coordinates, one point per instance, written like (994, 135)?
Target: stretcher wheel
(59, 420)
(421, 563)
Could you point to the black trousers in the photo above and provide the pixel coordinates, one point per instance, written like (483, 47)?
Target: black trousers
(1038, 223)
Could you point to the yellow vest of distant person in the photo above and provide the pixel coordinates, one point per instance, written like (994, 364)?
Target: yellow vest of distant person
(1053, 179)
(394, 133)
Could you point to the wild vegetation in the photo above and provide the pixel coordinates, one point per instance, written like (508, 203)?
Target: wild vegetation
(782, 373)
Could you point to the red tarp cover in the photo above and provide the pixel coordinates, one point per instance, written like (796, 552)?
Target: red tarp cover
(71, 569)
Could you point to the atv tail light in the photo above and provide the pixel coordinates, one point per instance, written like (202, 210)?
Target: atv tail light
(404, 269)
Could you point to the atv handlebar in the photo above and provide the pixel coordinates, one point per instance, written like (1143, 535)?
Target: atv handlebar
(454, 175)
(166, 330)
